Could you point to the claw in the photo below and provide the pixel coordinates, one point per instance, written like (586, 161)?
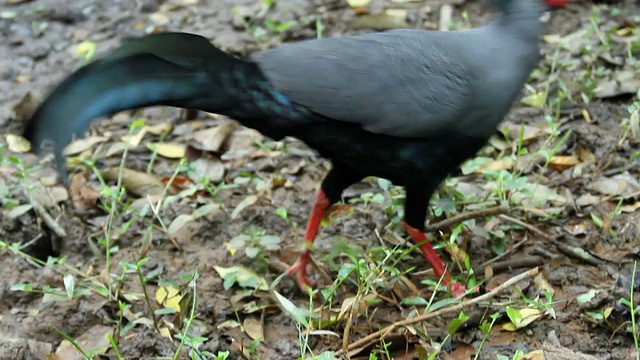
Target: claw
(456, 289)
(299, 269)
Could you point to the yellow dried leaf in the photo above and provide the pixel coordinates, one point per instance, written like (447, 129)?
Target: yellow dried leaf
(630, 208)
(166, 332)
(528, 315)
(561, 163)
(117, 148)
(137, 182)
(537, 100)
(534, 355)
(135, 139)
(85, 49)
(169, 297)
(358, 3)
(84, 144)
(495, 165)
(169, 150)
(159, 18)
(18, 144)
(231, 251)
(160, 129)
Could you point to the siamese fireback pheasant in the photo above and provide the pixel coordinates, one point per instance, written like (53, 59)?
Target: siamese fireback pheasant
(406, 105)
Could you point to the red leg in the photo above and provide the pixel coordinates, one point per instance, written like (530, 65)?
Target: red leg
(436, 263)
(320, 205)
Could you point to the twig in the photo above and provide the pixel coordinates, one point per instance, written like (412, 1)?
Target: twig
(466, 216)
(507, 252)
(529, 227)
(576, 252)
(381, 333)
(518, 263)
(51, 223)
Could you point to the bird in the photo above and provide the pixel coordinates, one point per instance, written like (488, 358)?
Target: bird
(406, 105)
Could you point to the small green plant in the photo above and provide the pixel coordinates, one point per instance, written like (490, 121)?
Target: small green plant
(254, 242)
(633, 310)
(485, 328)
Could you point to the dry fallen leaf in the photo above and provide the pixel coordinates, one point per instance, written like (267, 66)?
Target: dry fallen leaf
(80, 145)
(135, 139)
(249, 200)
(618, 185)
(561, 163)
(620, 83)
(588, 199)
(527, 316)
(59, 194)
(253, 327)
(495, 165)
(180, 221)
(18, 144)
(137, 182)
(462, 352)
(630, 208)
(530, 132)
(211, 139)
(95, 340)
(358, 3)
(159, 18)
(168, 297)
(208, 168)
(117, 148)
(245, 277)
(169, 150)
(534, 355)
(160, 129)
(85, 49)
(542, 284)
(389, 20)
(82, 195)
(586, 156)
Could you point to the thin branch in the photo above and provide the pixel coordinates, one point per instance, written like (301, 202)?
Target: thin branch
(505, 253)
(466, 216)
(381, 333)
(529, 227)
(51, 223)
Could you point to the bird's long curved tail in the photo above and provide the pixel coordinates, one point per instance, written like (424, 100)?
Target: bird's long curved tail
(174, 69)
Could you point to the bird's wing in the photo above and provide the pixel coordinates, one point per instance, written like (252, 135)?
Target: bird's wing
(402, 83)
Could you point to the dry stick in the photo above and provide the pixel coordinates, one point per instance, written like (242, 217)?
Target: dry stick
(51, 223)
(381, 333)
(466, 216)
(529, 227)
(505, 253)
(527, 262)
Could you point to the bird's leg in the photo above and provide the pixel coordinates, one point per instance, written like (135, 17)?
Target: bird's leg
(329, 193)
(428, 252)
(432, 257)
(415, 214)
(320, 205)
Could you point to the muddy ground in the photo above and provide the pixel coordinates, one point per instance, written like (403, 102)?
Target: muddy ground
(584, 248)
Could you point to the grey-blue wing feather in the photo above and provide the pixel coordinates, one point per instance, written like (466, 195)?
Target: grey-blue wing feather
(399, 83)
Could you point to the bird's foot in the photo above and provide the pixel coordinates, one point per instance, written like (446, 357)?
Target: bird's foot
(299, 270)
(456, 289)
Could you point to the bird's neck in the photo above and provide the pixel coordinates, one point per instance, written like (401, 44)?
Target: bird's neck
(522, 17)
